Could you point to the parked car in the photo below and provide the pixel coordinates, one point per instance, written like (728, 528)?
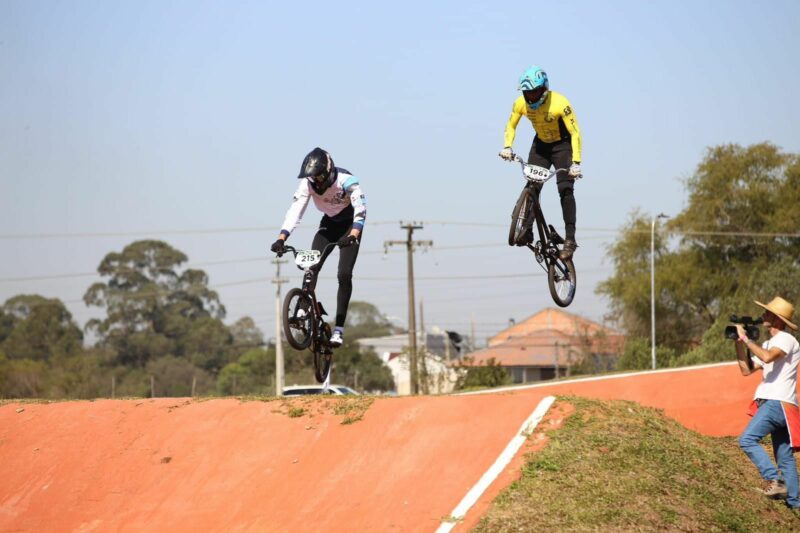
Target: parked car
(300, 390)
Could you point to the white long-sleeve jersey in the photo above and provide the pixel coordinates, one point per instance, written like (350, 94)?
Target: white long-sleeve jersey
(334, 202)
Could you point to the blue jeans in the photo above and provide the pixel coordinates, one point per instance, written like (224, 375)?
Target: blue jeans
(769, 420)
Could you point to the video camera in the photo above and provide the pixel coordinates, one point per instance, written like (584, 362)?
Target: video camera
(750, 326)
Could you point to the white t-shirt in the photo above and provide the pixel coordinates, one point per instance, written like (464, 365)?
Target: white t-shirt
(780, 376)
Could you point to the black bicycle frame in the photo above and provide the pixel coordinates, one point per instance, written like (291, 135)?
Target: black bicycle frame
(308, 282)
(308, 288)
(548, 248)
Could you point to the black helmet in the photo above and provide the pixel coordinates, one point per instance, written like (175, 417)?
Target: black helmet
(318, 169)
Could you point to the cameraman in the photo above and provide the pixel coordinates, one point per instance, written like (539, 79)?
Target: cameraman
(774, 408)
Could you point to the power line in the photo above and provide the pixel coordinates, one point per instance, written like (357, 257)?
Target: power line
(204, 231)
(250, 229)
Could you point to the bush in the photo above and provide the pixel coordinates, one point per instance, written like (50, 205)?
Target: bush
(638, 355)
(491, 374)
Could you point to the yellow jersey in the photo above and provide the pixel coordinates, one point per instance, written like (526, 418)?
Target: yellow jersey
(553, 121)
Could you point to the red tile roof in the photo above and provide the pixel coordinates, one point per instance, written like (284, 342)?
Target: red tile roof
(549, 335)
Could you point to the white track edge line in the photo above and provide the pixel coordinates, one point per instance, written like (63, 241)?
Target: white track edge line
(499, 465)
(551, 383)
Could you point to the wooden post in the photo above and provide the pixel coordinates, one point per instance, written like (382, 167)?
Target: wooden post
(152, 386)
(194, 385)
(412, 321)
(556, 360)
(113, 386)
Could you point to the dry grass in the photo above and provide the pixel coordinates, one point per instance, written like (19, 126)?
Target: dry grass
(618, 466)
(350, 408)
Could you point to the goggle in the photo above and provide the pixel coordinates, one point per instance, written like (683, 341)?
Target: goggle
(319, 178)
(534, 94)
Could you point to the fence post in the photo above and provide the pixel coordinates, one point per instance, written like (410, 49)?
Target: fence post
(194, 385)
(113, 386)
(152, 386)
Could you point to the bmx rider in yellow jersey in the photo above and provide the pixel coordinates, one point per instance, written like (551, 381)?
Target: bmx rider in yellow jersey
(557, 141)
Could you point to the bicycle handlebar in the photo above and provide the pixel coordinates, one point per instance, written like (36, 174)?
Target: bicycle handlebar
(523, 164)
(294, 250)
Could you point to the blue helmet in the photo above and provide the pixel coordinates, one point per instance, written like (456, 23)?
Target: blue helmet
(534, 86)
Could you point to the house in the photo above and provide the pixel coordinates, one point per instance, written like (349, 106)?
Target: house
(393, 351)
(550, 344)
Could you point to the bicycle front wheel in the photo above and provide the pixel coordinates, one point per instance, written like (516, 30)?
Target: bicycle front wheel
(562, 280)
(323, 355)
(516, 233)
(297, 319)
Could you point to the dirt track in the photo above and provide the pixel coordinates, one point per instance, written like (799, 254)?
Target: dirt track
(226, 465)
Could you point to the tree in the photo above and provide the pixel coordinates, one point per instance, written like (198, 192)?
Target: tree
(84, 376)
(24, 378)
(246, 335)
(638, 355)
(628, 289)
(365, 320)
(252, 373)
(154, 309)
(360, 368)
(173, 376)
(722, 260)
(37, 328)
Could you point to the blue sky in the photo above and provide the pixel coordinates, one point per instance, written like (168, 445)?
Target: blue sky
(167, 119)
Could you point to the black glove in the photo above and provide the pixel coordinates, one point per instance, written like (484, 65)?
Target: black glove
(278, 247)
(347, 240)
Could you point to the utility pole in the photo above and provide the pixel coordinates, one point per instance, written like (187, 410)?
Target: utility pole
(410, 245)
(423, 338)
(472, 331)
(278, 281)
(556, 358)
(653, 287)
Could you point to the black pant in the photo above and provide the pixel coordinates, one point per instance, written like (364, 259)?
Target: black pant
(558, 154)
(329, 231)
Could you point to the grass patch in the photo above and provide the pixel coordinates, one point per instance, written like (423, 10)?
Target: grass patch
(351, 408)
(295, 411)
(620, 466)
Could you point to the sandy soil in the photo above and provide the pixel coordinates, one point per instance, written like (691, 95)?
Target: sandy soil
(226, 465)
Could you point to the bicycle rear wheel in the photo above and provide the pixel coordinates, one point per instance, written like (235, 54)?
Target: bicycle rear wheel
(562, 280)
(297, 319)
(323, 355)
(516, 232)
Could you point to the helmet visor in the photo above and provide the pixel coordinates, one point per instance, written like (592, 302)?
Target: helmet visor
(534, 95)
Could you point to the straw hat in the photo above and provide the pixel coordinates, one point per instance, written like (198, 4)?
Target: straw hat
(781, 308)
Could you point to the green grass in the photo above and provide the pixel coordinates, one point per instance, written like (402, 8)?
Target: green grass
(618, 466)
(295, 412)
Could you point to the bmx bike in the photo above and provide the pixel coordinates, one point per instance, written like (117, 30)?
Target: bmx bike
(561, 275)
(302, 317)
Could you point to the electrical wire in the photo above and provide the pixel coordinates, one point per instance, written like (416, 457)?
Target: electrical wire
(459, 223)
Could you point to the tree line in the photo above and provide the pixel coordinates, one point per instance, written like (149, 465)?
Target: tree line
(162, 333)
(737, 240)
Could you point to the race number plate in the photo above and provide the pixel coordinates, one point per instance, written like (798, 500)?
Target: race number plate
(307, 258)
(536, 173)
